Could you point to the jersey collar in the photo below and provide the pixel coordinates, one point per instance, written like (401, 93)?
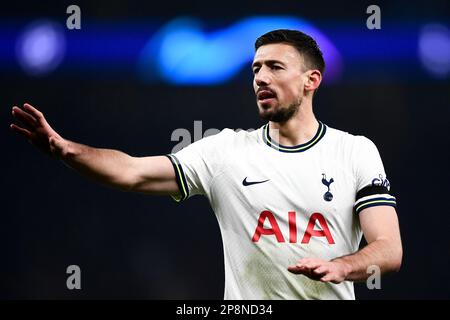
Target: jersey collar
(299, 148)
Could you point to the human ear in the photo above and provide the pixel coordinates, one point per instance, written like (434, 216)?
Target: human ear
(313, 80)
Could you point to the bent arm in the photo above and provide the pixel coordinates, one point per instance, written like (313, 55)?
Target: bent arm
(384, 246)
(384, 249)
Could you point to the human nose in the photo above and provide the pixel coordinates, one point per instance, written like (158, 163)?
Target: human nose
(262, 77)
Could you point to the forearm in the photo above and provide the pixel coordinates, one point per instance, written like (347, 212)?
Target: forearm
(106, 166)
(385, 254)
(150, 175)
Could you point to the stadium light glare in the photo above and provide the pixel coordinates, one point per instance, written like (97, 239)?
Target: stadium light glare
(181, 53)
(434, 49)
(40, 48)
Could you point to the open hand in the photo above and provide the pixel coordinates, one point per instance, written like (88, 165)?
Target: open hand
(321, 270)
(37, 131)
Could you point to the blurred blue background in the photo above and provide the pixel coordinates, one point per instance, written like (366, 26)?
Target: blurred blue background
(137, 71)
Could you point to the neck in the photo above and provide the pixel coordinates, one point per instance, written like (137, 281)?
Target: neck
(300, 129)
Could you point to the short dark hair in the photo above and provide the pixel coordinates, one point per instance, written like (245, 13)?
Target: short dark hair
(305, 45)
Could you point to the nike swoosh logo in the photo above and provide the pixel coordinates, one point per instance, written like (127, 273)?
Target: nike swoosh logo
(249, 183)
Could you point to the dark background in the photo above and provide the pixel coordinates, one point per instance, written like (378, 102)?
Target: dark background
(132, 246)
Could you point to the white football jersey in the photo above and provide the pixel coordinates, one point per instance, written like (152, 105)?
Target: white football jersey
(276, 204)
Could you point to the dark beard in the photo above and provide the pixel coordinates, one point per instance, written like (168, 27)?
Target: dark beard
(281, 115)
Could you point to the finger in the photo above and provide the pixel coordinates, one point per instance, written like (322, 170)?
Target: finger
(24, 117)
(311, 264)
(303, 271)
(36, 113)
(24, 132)
(293, 269)
(321, 270)
(326, 278)
(330, 278)
(298, 270)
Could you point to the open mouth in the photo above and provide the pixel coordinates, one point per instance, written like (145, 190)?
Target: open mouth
(265, 95)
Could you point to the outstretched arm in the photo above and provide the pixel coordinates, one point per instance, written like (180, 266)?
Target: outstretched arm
(384, 249)
(152, 175)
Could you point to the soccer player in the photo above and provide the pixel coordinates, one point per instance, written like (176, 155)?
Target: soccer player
(292, 198)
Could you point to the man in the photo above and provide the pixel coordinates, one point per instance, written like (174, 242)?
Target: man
(292, 199)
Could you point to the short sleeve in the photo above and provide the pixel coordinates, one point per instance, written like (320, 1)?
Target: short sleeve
(197, 164)
(372, 184)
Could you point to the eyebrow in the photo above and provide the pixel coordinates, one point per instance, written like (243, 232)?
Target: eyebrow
(269, 62)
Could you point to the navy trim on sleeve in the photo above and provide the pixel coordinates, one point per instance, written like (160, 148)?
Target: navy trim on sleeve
(181, 179)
